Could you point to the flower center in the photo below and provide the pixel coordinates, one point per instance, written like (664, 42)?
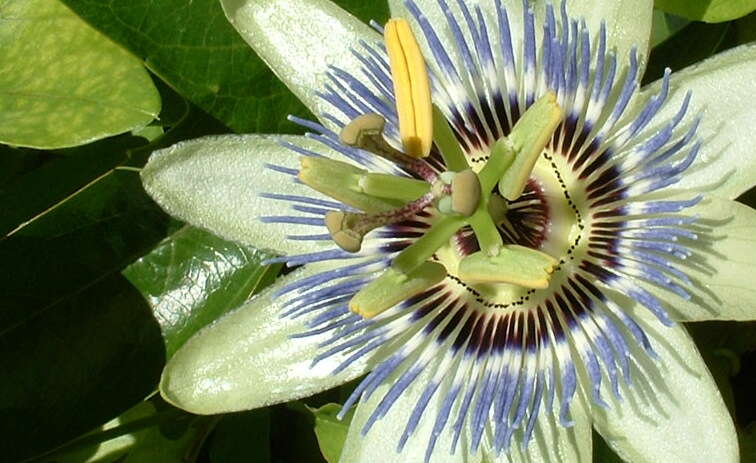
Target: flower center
(545, 218)
(463, 196)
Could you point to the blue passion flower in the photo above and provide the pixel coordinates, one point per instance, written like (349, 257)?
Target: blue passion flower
(491, 222)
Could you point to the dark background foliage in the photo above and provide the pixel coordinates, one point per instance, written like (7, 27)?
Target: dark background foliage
(93, 271)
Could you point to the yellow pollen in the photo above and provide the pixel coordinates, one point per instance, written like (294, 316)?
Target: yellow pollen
(411, 87)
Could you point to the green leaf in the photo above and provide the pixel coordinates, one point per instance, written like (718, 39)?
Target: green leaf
(242, 438)
(193, 48)
(376, 10)
(73, 224)
(78, 342)
(710, 11)
(62, 83)
(748, 443)
(153, 446)
(93, 355)
(602, 453)
(746, 28)
(291, 435)
(42, 188)
(189, 46)
(194, 277)
(137, 436)
(16, 162)
(33, 182)
(691, 44)
(105, 451)
(664, 26)
(330, 431)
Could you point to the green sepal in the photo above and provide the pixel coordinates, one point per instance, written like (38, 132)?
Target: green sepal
(393, 287)
(514, 264)
(447, 143)
(529, 137)
(341, 181)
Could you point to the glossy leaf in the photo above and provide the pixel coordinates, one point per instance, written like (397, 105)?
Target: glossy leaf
(78, 342)
(136, 436)
(16, 162)
(153, 446)
(92, 356)
(331, 431)
(690, 44)
(193, 277)
(62, 83)
(73, 223)
(664, 26)
(103, 452)
(192, 47)
(33, 181)
(188, 44)
(42, 188)
(711, 11)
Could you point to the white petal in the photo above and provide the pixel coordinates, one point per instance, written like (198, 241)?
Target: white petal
(215, 183)
(550, 443)
(628, 22)
(299, 39)
(723, 87)
(683, 419)
(247, 359)
(723, 268)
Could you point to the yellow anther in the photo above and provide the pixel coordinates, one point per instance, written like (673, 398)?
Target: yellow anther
(411, 87)
(339, 226)
(392, 287)
(514, 264)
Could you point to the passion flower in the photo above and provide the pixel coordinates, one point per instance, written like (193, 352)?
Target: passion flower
(494, 224)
